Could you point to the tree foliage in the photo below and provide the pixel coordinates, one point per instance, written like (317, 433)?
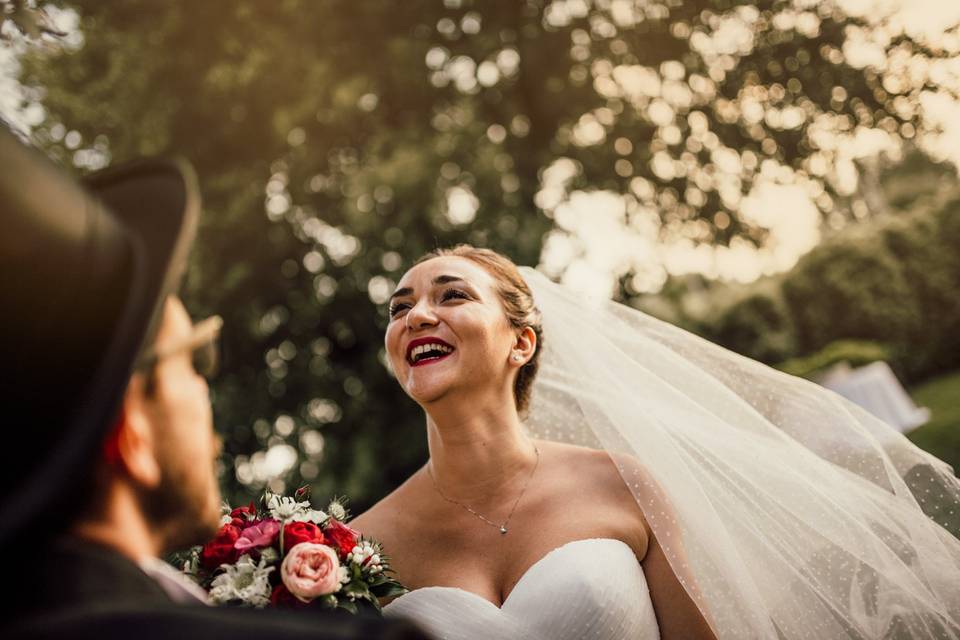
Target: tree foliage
(336, 141)
(880, 291)
(759, 326)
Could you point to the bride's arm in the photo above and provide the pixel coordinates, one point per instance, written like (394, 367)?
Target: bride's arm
(677, 614)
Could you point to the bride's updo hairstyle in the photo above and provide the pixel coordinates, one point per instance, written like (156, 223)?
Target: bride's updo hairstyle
(517, 300)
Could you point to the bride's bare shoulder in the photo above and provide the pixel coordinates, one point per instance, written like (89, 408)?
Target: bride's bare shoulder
(604, 478)
(605, 467)
(385, 519)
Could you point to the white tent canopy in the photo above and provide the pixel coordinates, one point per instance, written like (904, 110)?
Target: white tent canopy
(875, 388)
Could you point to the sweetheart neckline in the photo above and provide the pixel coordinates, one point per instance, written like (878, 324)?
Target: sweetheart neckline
(519, 581)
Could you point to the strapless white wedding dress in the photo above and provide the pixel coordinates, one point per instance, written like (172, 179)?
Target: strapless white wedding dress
(584, 589)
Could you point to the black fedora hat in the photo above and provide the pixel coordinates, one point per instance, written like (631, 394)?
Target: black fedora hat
(84, 270)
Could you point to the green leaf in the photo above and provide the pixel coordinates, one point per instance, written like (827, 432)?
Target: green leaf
(378, 580)
(357, 589)
(348, 605)
(389, 590)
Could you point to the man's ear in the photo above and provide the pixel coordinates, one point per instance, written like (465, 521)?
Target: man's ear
(524, 347)
(134, 445)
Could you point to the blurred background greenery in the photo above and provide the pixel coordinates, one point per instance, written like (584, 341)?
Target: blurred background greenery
(773, 175)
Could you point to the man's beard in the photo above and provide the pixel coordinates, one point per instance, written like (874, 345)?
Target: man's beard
(179, 510)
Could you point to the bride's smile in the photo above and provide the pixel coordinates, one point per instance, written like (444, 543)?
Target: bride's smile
(448, 337)
(424, 351)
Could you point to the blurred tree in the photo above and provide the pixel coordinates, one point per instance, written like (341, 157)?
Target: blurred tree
(890, 282)
(757, 326)
(336, 141)
(850, 288)
(925, 244)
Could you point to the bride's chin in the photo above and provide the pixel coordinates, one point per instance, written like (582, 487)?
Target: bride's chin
(425, 392)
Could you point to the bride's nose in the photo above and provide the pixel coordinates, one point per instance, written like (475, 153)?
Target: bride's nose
(421, 316)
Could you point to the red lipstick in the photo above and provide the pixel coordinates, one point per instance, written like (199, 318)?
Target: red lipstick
(427, 350)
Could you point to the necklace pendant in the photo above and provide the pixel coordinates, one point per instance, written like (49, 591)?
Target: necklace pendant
(503, 530)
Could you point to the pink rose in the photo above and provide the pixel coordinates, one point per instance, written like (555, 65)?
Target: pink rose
(310, 570)
(261, 534)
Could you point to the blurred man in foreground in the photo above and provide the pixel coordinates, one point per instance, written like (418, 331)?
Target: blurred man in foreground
(104, 377)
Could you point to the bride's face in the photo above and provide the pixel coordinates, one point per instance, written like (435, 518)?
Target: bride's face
(448, 332)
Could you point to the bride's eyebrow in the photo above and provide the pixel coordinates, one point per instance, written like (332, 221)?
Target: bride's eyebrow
(399, 293)
(439, 280)
(448, 279)
(466, 284)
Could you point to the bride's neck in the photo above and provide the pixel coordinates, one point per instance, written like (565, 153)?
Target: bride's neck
(475, 454)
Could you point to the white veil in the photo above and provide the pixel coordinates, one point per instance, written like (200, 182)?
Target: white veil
(785, 510)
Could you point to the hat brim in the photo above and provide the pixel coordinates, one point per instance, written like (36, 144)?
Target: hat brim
(158, 204)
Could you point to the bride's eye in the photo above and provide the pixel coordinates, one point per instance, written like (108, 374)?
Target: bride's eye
(397, 307)
(451, 294)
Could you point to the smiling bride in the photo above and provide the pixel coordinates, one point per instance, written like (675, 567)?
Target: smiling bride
(648, 485)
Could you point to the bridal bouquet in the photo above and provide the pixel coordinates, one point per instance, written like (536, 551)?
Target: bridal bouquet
(287, 554)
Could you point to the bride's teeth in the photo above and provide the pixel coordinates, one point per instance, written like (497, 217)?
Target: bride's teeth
(423, 348)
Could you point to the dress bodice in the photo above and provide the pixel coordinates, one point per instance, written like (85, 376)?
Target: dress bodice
(591, 588)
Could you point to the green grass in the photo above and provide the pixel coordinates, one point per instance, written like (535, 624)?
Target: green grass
(940, 436)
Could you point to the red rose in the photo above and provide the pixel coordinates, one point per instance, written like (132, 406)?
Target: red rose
(281, 598)
(220, 550)
(297, 532)
(342, 536)
(242, 515)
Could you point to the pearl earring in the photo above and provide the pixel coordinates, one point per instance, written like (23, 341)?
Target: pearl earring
(516, 358)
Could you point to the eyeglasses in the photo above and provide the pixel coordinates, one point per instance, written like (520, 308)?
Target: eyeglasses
(202, 343)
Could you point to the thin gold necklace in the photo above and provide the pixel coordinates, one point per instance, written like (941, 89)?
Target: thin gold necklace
(503, 526)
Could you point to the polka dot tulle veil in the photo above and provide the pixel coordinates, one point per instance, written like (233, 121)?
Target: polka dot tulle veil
(786, 511)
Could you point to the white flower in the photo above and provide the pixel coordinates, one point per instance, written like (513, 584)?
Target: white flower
(337, 512)
(244, 581)
(192, 563)
(310, 515)
(287, 509)
(367, 555)
(374, 566)
(344, 576)
(269, 555)
(225, 519)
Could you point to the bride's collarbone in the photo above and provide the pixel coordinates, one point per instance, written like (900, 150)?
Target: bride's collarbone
(440, 544)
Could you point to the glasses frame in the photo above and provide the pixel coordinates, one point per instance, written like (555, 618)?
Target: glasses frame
(203, 335)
